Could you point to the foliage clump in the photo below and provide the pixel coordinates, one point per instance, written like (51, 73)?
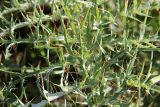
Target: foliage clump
(79, 53)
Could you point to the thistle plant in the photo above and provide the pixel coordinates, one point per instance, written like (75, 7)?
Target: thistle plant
(79, 53)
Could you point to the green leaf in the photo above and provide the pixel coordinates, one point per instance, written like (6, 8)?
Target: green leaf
(155, 79)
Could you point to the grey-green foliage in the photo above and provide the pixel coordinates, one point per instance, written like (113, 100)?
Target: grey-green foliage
(84, 52)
